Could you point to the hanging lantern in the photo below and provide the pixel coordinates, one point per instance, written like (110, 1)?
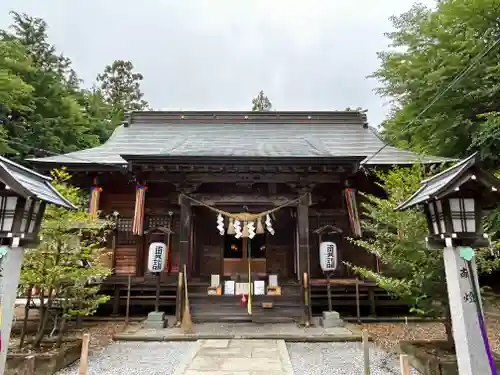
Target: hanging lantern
(245, 233)
(237, 228)
(251, 229)
(230, 226)
(260, 227)
(269, 224)
(220, 224)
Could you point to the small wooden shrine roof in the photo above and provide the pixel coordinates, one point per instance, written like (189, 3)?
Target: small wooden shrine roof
(450, 179)
(29, 184)
(242, 134)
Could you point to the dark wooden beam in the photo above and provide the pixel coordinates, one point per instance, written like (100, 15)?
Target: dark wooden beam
(185, 231)
(239, 199)
(303, 250)
(180, 178)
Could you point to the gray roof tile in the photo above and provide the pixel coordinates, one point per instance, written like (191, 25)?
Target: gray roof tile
(340, 137)
(441, 183)
(28, 183)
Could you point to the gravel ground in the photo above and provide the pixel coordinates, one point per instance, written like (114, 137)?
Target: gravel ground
(387, 336)
(339, 359)
(132, 358)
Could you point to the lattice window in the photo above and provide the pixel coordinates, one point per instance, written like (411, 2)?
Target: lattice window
(124, 234)
(158, 221)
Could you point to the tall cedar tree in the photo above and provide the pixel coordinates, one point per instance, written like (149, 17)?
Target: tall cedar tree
(261, 103)
(45, 111)
(120, 88)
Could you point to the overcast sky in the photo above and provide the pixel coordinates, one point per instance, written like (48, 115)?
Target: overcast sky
(217, 54)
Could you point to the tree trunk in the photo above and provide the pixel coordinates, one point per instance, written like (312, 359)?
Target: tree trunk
(26, 315)
(41, 296)
(60, 334)
(43, 322)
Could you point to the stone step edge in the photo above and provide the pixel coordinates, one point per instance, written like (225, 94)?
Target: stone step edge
(201, 336)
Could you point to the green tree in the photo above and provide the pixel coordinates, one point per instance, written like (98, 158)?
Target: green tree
(66, 266)
(15, 92)
(54, 120)
(410, 271)
(120, 87)
(430, 48)
(261, 103)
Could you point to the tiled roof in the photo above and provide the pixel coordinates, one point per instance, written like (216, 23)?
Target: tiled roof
(28, 183)
(278, 134)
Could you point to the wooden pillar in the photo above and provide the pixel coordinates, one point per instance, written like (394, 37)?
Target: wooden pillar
(303, 250)
(184, 233)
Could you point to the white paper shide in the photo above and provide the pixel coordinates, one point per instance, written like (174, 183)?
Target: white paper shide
(328, 256)
(157, 256)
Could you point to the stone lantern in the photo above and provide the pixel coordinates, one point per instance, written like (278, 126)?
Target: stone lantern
(23, 197)
(453, 202)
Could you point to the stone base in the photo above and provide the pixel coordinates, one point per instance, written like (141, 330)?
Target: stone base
(47, 362)
(331, 319)
(156, 320)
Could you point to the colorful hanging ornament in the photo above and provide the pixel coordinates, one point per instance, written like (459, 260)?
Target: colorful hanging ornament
(245, 230)
(140, 197)
(269, 224)
(237, 229)
(95, 196)
(220, 224)
(260, 227)
(230, 226)
(352, 210)
(251, 229)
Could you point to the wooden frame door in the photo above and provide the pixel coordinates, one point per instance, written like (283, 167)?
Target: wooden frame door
(238, 262)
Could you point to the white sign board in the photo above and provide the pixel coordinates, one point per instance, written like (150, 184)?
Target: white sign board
(229, 287)
(328, 256)
(157, 256)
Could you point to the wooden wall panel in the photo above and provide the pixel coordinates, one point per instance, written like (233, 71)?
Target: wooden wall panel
(123, 202)
(126, 259)
(208, 244)
(280, 247)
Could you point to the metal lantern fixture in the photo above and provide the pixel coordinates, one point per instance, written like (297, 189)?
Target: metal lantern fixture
(23, 196)
(453, 201)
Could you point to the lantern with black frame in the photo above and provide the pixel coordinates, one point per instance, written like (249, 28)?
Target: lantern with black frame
(453, 201)
(23, 196)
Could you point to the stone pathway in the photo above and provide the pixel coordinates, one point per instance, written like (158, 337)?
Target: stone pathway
(227, 331)
(240, 357)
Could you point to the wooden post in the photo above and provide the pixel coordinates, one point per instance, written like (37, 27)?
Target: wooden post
(371, 296)
(127, 311)
(358, 308)
(84, 357)
(29, 366)
(307, 302)
(303, 251)
(405, 366)
(329, 291)
(185, 231)
(178, 298)
(366, 352)
(116, 301)
(158, 286)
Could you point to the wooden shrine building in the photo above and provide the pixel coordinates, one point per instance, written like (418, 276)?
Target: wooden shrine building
(288, 173)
